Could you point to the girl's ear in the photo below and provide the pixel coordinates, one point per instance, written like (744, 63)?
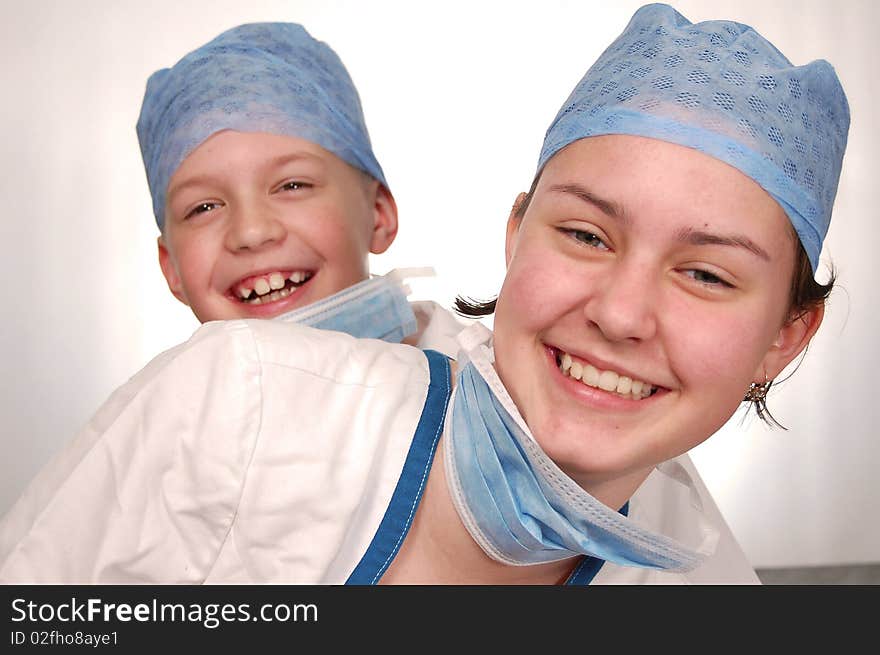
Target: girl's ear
(792, 339)
(513, 223)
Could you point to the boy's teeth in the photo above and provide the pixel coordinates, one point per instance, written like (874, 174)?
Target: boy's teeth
(275, 295)
(262, 287)
(267, 289)
(276, 281)
(605, 380)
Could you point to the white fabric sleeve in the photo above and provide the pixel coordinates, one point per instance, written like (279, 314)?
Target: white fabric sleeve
(148, 490)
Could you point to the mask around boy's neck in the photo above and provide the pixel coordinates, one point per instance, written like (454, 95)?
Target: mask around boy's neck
(376, 308)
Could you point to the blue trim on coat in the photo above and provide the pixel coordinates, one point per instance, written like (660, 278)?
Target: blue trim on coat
(589, 566)
(408, 492)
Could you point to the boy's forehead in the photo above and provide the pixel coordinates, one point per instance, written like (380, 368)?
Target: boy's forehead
(235, 155)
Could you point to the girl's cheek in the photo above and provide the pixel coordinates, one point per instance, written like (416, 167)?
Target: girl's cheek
(723, 345)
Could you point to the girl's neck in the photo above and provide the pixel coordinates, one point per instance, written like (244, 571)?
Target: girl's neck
(439, 550)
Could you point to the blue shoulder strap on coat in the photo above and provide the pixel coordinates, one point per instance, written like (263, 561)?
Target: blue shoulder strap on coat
(588, 567)
(408, 492)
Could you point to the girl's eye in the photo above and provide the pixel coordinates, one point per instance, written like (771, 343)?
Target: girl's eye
(587, 238)
(708, 279)
(202, 208)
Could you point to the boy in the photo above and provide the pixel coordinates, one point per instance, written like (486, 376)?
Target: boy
(265, 186)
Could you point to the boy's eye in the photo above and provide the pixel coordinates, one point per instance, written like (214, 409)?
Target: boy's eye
(202, 208)
(587, 238)
(707, 279)
(294, 185)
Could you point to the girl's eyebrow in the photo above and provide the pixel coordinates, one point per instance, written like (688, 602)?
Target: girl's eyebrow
(704, 238)
(607, 207)
(686, 235)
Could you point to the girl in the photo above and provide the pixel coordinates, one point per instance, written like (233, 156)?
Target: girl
(660, 270)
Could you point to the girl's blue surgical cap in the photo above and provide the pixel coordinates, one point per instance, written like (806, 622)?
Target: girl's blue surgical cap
(721, 88)
(261, 77)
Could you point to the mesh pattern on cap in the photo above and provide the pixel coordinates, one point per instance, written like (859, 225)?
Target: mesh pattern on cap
(721, 88)
(260, 77)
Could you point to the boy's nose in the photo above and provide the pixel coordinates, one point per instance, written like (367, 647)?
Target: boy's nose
(623, 304)
(253, 227)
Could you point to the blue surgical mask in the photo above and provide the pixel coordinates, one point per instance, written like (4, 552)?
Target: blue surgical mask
(513, 499)
(373, 309)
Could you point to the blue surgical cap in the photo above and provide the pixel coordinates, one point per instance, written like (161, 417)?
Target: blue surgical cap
(260, 77)
(721, 88)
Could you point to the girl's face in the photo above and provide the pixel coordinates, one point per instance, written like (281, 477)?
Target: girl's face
(657, 275)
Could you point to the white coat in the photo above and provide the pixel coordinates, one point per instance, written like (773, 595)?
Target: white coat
(212, 465)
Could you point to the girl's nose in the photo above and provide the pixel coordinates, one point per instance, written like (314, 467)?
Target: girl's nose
(623, 304)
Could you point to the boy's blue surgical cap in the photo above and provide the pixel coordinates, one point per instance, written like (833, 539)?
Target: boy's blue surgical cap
(261, 77)
(721, 88)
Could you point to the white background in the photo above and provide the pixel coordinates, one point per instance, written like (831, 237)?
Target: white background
(457, 97)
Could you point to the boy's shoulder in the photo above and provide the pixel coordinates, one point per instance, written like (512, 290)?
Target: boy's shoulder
(318, 351)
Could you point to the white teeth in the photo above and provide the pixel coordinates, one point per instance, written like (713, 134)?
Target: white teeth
(566, 362)
(591, 375)
(605, 380)
(262, 287)
(608, 380)
(276, 281)
(275, 295)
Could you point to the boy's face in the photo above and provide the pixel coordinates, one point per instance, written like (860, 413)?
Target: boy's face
(258, 224)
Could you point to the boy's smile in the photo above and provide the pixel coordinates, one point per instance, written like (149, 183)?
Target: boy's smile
(260, 289)
(259, 224)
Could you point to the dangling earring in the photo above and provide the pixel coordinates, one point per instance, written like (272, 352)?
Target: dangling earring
(757, 392)
(757, 395)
